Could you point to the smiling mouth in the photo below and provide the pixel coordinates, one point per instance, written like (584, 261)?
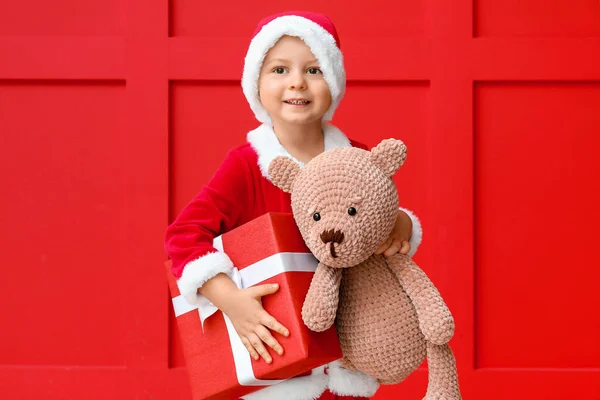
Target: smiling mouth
(297, 102)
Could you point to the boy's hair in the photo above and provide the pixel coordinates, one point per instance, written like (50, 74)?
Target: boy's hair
(319, 34)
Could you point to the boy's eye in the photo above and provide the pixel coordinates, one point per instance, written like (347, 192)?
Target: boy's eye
(314, 71)
(279, 70)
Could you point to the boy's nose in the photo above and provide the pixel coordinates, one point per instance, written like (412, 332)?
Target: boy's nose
(297, 81)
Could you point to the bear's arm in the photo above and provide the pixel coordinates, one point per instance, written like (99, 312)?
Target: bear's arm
(321, 302)
(435, 320)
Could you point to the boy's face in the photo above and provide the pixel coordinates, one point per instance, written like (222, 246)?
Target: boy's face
(291, 85)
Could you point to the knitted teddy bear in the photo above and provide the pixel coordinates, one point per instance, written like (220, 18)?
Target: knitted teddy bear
(388, 314)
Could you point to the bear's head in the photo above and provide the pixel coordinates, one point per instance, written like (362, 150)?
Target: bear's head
(344, 201)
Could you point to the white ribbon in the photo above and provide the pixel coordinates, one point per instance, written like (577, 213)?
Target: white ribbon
(249, 276)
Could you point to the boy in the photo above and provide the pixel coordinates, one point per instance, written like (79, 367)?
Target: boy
(294, 79)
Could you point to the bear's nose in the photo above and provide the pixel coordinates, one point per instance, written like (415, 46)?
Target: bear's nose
(332, 236)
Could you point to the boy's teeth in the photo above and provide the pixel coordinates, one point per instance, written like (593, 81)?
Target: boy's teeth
(297, 102)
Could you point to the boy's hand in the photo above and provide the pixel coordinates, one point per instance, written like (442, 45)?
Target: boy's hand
(397, 242)
(251, 321)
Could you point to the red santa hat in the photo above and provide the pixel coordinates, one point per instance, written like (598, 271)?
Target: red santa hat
(319, 34)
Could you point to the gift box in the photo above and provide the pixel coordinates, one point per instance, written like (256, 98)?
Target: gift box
(266, 250)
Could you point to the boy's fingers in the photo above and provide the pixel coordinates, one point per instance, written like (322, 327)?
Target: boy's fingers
(265, 336)
(249, 347)
(263, 290)
(260, 347)
(393, 249)
(385, 245)
(274, 325)
(405, 247)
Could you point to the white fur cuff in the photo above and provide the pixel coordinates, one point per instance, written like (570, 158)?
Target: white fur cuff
(197, 272)
(344, 382)
(309, 387)
(417, 232)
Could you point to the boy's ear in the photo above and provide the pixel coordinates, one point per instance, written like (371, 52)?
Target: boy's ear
(283, 172)
(389, 155)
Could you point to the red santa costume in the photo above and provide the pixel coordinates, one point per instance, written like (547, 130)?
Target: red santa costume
(240, 191)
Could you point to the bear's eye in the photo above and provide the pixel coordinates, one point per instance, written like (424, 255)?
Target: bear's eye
(316, 216)
(352, 211)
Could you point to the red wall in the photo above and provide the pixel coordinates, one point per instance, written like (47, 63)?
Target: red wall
(113, 115)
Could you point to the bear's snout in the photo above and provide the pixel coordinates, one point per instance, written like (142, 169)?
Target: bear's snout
(332, 236)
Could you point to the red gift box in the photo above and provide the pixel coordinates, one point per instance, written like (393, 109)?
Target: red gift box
(268, 249)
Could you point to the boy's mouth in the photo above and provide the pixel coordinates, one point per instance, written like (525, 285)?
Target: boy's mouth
(297, 102)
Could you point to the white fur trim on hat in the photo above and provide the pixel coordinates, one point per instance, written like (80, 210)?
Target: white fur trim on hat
(197, 272)
(309, 387)
(417, 232)
(344, 382)
(264, 141)
(321, 43)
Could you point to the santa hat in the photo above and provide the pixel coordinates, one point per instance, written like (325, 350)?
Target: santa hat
(319, 34)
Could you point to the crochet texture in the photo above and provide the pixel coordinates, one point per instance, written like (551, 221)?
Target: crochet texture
(388, 314)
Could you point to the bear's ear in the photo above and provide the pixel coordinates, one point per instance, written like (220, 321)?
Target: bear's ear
(282, 172)
(389, 155)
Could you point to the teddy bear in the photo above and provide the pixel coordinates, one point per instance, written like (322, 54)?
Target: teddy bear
(388, 314)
